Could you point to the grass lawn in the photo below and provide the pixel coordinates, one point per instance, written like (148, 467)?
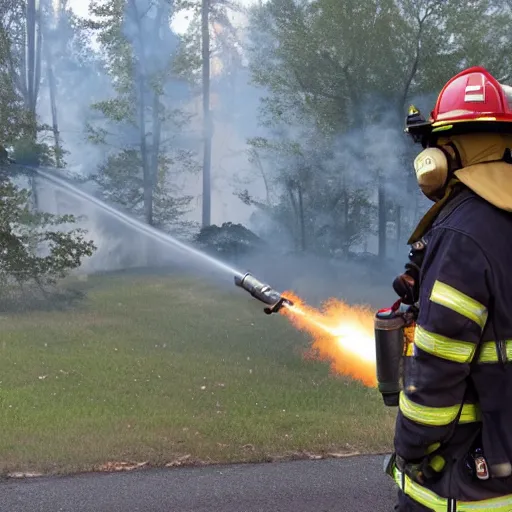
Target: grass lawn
(155, 368)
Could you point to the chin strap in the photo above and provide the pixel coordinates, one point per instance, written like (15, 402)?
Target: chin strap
(434, 211)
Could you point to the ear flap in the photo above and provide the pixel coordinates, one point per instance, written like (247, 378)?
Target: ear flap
(431, 167)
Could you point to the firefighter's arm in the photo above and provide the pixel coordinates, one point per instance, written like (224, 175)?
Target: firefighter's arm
(453, 303)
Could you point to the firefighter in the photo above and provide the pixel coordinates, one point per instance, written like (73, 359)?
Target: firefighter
(453, 433)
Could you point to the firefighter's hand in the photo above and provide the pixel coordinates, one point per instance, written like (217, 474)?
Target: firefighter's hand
(413, 469)
(427, 469)
(404, 286)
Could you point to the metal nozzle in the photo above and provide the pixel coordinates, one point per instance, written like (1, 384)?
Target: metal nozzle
(263, 292)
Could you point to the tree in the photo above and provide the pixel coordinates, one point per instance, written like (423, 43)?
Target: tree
(196, 54)
(335, 74)
(142, 122)
(51, 26)
(207, 123)
(35, 247)
(73, 77)
(345, 71)
(23, 58)
(15, 120)
(308, 193)
(22, 52)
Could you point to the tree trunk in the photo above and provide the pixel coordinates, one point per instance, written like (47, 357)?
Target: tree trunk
(153, 252)
(33, 78)
(295, 208)
(207, 121)
(398, 228)
(156, 121)
(259, 165)
(39, 43)
(23, 81)
(301, 220)
(346, 206)
(157, 133)
(141, 77)
(146, 172)
(382, 219)
(53, 89)
(31, 53)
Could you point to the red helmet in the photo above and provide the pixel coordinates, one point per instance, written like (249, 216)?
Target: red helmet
(472, 101)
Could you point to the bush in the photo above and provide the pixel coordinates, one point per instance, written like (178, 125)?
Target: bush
(229, 240)
(35, 247)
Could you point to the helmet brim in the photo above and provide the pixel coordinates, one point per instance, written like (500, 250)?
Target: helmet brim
(428, 133)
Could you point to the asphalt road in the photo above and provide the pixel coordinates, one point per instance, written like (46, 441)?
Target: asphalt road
(354, 484)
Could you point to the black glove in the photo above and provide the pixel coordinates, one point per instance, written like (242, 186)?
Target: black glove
(423, 470)
(406, 285)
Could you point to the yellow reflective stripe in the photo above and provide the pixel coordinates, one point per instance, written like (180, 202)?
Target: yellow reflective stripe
(441, 346)
(488, 352)
(436, 416)
(419, 494)
(451, 298)
(470, 413)
(501, 504)
(436, 503)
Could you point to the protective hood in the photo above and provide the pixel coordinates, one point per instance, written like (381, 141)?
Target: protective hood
(483, 169)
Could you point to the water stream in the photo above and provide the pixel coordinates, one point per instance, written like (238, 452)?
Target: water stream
(139, 226)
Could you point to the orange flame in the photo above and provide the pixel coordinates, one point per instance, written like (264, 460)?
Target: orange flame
(342, 334)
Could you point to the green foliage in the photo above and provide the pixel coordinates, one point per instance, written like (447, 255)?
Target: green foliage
(15, 120)
(347, 219)
(19, 88)
(122, 184)
(187, 64)
(33, 245)
(343, 64)
(339, 77)
(141, 124)
(224, 38)
(311, 192)
(27, 151)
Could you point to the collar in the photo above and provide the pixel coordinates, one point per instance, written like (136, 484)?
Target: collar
(452, 189)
